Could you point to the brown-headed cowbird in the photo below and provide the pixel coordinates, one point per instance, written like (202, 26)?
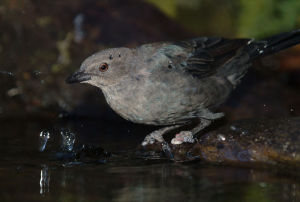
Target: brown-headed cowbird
(175, 84)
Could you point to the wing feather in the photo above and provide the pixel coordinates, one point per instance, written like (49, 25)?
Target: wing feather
(204, 56)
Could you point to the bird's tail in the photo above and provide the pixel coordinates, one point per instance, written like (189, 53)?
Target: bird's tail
(273, 44)
(256, 49)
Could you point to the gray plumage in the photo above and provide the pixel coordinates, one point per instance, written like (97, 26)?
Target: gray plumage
(175, 83)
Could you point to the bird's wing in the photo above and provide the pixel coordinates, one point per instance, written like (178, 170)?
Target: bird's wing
(205, 56)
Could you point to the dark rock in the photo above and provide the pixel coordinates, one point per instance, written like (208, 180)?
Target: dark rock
(246, 143)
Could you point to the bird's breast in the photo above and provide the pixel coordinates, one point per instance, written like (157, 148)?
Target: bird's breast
(151, 101)
(163, 101)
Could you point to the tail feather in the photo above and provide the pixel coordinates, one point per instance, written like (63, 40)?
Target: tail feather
(256, 49)
(273, 44)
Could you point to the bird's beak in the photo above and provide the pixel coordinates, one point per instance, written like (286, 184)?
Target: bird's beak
(78, 77)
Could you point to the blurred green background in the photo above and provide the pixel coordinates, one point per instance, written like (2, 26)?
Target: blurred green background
(241, 18)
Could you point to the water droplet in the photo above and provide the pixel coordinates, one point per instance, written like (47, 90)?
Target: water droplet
(44, 180)
(6, 73)
(37, 73)
(68, 140)
(233, 128)
(221, 137)
(244, 133)
(249, 42)
(43, 139)
(263, 184)
(78, 28)
(285, 146)
(13, 92)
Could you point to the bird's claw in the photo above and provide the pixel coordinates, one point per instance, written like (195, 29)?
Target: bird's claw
(183, 137)
(152, 138)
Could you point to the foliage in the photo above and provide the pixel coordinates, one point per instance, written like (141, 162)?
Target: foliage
(243, 18)
(259, 18)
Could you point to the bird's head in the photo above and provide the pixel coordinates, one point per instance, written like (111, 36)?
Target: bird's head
(103, 68)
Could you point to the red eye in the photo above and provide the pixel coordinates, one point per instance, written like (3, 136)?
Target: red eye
(103, 67)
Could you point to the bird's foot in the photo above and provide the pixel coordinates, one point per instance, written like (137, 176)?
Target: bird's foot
(152, 138)
(157, 136)
(183, 137)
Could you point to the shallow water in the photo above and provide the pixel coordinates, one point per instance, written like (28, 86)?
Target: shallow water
(26, 174)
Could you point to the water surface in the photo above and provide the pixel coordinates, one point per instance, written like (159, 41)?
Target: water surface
(26, 174)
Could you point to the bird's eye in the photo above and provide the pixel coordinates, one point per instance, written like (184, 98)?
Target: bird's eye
(103, 67)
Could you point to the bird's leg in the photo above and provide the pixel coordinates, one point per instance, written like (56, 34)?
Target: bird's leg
(189, 136)
(157, 135)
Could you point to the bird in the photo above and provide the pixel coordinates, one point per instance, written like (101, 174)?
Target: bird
(175, 84)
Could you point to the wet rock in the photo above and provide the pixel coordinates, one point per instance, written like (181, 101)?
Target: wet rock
(81, 155)
(257, 141)
(92, 153)
(247, 143)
